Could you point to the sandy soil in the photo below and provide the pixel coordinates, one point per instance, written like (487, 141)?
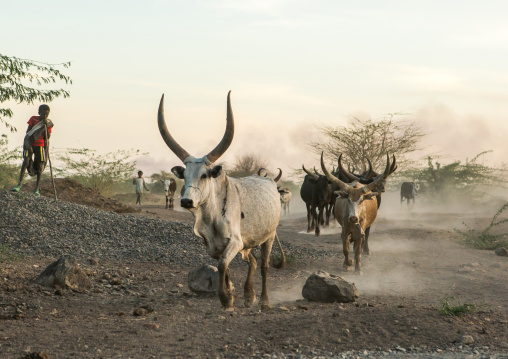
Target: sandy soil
(417, 260)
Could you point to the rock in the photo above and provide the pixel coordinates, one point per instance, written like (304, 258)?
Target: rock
(36, 355)
(140, 312)
(151, 325)
(204, 280)
(65, 273)
(324, 287)
(467, 340)
(501, 251)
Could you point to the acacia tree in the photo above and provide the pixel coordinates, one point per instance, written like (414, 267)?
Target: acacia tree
(366, 138)
(17, 77)
(99, 172)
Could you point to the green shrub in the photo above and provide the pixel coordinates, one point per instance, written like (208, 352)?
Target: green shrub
(457, 310)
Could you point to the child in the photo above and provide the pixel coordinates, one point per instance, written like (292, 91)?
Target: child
(140, 183)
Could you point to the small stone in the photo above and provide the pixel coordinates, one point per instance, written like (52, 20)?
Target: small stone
(140, 312)
(501, 251)
(467, 340)
(151, 325)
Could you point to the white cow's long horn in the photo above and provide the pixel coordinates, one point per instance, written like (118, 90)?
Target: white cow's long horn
(383, 176)
(313, 175)
(343, 186)
(228, 135)
(276, 179)
(170, 141)
(345, 173)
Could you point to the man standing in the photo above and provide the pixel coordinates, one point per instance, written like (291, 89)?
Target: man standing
(140, 183)
(36, 147)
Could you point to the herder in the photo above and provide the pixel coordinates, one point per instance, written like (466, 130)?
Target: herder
(36, 147)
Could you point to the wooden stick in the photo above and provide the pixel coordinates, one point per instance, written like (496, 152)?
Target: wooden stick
(46, 143)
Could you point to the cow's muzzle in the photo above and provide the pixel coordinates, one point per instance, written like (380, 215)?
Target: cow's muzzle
(187, 203)
(353, 219)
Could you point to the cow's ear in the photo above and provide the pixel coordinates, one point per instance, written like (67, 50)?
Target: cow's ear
(342, 194)
(370, 195)
(178, 171)
(216, 171)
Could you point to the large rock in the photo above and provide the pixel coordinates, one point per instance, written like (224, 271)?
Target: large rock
(501, 251)
(324, 287)
(65, 273)
(204, 280)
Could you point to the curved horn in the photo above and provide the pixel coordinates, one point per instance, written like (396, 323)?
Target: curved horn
(383, 176)
(345, 173)
(369, 173)
(394, 166)
(343, 186)
(259, 172)
(170, 141)
(276, 179)
(313, 175)
(228, 135)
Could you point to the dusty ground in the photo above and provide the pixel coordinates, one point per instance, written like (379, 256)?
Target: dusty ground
(417, 260)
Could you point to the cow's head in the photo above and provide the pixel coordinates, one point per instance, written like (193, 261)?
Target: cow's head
(200, 174)
(355, 193)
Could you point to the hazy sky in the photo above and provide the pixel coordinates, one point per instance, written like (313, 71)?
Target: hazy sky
(290, 65)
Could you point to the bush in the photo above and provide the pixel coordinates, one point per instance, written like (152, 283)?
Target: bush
(484, 239)
(457, 310)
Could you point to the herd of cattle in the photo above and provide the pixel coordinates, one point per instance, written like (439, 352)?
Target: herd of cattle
(235, 215)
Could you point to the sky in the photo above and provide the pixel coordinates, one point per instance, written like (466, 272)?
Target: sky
(292, 65)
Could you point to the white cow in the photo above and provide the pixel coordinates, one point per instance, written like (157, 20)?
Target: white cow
(231, 215)
(169, 190)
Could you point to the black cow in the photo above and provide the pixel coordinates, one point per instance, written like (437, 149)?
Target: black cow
(315, 192)
(408, 190)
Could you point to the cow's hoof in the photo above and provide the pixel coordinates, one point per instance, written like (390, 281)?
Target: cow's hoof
(229, 309)
(265, 307)
(366, 253)
(248, 301)
(358, 272)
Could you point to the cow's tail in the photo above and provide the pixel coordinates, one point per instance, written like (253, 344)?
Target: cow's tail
(282, 262)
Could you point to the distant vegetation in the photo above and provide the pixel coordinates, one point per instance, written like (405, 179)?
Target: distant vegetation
(367, 138)
(9, 166)
(102, 173)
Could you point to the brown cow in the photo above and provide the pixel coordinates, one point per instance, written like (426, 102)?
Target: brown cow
(355, 210)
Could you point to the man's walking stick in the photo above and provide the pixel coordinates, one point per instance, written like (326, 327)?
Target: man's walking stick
(46, 142)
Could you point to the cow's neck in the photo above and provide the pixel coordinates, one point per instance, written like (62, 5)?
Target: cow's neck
(215, 209)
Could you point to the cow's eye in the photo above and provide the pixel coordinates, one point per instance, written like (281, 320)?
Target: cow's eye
(203, 176)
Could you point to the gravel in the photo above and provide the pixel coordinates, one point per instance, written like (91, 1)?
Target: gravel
(41, 227)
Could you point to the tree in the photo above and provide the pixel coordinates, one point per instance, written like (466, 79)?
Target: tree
(248, 164)
(17, 77)
(99, 172)
(8, 171)
(366, 138)
(457, 180)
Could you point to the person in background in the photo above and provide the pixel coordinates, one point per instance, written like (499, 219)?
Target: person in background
(140, 184)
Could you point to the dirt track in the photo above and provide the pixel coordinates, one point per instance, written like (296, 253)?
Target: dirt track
(416, 261)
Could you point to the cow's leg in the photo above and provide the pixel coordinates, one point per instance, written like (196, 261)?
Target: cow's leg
(266, 249)
(316, 219)
(310, 219)
(225, 289)
(345, 248)
(249, 295)
(359, 236)
(328, 212)
(366, 250)
(167, 202)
